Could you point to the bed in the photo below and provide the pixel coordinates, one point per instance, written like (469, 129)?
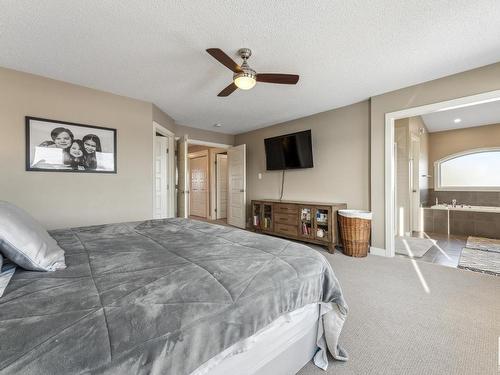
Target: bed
(173, 296)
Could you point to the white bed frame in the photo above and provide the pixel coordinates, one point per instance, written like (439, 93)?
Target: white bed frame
(281, 349)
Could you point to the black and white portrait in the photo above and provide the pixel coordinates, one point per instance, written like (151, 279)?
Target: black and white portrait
(62, 146)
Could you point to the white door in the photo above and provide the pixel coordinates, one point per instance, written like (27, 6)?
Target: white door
(198, 192)
(415, 184)
(182, 184)
(161, 173)
(396, 210)
(221, 183)
(236, 170)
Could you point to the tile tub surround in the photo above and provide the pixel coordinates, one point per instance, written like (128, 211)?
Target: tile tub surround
(473, 198)
(462, 222)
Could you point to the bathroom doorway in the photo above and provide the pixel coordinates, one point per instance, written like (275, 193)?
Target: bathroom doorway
(446, 196)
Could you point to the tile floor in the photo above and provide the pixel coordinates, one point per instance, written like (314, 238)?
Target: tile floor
(447, 250)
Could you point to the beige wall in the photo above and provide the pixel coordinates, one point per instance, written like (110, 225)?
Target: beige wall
(75, 199)
(459, 85)
(450, 142)
(194, 133)
(204, 135)
(72, 199)
(341, 159)
(163, 119)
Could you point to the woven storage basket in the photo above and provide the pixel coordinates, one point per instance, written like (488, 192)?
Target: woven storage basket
(355, 233)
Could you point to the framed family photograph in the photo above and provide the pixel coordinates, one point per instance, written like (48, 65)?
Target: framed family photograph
(59, 146)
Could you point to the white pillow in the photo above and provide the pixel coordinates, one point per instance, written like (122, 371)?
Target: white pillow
(26, 243)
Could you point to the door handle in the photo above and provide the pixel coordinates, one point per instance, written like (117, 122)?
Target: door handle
(242, 190)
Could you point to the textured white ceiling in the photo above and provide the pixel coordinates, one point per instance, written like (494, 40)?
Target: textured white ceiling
(344, 50)
(470, 116)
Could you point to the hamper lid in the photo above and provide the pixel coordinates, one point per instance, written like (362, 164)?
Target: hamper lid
(359, 214)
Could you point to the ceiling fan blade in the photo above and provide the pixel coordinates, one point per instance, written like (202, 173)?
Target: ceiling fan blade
(228, 90)
(224, 59)
(287, 79)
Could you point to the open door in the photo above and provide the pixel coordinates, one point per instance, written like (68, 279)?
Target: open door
(221, 186)
(198, 191)
(236, 209)
(415, 184)
(183, 185)
(161, 172)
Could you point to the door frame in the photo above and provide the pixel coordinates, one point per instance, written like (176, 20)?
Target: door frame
(390, 118)
(415, 223)
(215, 148)
(195, 155)
(157, 128)
(229, 186)
(218, 156)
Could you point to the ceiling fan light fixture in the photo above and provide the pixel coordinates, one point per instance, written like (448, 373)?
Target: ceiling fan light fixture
(244, 76)
(245, 80)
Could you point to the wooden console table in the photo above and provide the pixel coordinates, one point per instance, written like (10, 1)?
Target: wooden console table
(313, 222)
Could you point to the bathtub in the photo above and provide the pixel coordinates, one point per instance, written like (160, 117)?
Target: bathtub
(464, 220)
(465, 207)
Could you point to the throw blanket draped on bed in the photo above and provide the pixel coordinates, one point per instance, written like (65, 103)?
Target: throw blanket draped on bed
(158, 297)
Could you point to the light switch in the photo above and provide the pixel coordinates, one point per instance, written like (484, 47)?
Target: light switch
(260, 176)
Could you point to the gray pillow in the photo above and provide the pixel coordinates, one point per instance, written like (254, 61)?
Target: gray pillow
(26, 243)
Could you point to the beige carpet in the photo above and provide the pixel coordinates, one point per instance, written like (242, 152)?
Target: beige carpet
(395, 327)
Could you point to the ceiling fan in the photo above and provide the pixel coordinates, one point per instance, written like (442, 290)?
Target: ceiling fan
(245, 77)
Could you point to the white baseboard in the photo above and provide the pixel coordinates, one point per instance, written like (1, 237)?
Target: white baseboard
(377, 251)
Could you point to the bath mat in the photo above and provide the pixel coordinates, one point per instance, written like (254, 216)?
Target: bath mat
(480, 243)
(412, 246)
(480, 261)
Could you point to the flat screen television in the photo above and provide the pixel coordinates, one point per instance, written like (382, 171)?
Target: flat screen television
(290, 151)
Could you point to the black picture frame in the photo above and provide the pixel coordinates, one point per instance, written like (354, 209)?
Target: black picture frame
(111, 145)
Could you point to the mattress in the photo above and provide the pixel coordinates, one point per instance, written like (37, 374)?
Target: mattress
(159, 297)
(283, 347)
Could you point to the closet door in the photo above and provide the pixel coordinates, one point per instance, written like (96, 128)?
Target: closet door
(161, 176)
(198, 192)
(236, 211)
(183, 186)
(221, 183)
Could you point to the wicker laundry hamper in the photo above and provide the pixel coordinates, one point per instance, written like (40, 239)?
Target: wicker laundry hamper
(355, 227)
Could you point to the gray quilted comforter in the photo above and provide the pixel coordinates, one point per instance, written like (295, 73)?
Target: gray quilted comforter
(157, 297)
